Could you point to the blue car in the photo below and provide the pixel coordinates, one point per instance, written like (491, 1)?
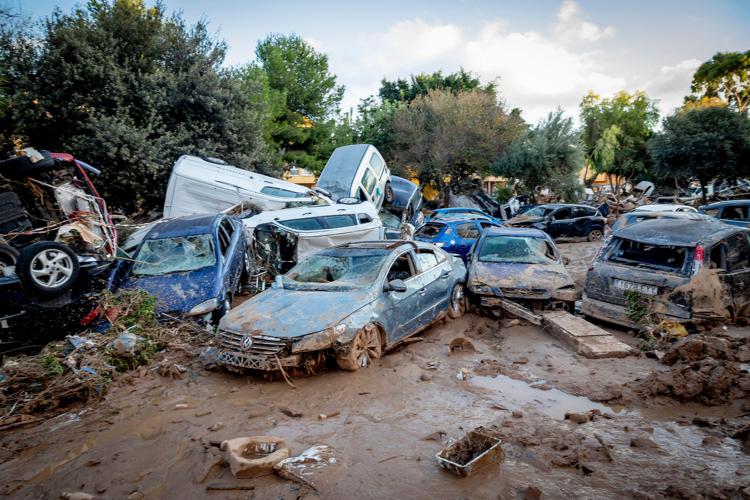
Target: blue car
(461, 213)
(193, 265)
(455, 236)
(734, 212)
(351, 302)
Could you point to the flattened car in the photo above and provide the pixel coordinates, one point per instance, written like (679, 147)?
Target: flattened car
(351, 303)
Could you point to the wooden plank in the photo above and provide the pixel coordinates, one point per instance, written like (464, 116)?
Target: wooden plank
(587, 339)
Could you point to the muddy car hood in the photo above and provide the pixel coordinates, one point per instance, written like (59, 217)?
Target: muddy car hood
(514, 275)
(177, 292)
(287, 313)
(523, 220)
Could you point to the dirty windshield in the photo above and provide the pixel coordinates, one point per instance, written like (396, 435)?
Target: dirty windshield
(537, 212)
(334, 269)
(635, 253)
(171, 255)
(515, 249)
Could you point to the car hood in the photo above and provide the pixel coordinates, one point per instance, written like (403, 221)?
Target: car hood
(287, 313)
(515, 275)
(177, 292)
(523, 220)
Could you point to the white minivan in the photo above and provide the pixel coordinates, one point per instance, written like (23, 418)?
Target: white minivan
(199, 186)
(357, 171)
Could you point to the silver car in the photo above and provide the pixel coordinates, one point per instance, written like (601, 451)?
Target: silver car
(351, 303)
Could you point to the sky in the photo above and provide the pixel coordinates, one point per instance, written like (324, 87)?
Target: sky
(543, 54)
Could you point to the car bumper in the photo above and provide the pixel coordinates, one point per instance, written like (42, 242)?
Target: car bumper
(617, 314)
(234, 359)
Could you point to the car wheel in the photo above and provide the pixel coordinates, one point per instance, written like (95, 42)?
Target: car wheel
(8, 256)
(595, 235)
(457, 307)
(363, 350)
(47, 268)
(224, 307)
(388, 194)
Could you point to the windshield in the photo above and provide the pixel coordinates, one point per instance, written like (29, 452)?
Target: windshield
(171, 255)
(355, 268)
(516, 249)
(635, 253)
(537, 212)
(389, 220)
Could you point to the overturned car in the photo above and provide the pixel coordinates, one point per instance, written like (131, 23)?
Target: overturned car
(350, 303)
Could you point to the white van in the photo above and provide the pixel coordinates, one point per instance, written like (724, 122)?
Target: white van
(211, 186)
(357, 171)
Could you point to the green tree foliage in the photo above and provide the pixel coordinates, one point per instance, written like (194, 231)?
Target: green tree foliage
(703, 143)
(615, 132)
(547, 155)
(128, 89)
(402, 90)
(726, 76)
(299, 76)
(374, 124)
(451, 136)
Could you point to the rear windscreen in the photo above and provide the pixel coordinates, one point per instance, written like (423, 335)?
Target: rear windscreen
(663, 257)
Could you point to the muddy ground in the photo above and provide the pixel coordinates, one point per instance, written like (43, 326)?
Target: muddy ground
(151, 437)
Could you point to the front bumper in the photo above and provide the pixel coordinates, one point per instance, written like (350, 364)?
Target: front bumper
(234, 359)
(614, 313)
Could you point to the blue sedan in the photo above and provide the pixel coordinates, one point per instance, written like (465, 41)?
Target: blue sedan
(461, 213)
(351, 302)
(193, 265)
(455, 236)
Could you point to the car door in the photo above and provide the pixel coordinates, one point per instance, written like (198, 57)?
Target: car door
(404, 306)
(736, 215)
(738, 270)
(466, 234)
(435, 276)
(560, 222)
(583, 219)
(230, 269)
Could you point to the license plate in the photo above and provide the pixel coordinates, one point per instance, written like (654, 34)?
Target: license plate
(629, 286)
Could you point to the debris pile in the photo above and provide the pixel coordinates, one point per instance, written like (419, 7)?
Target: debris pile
(704, 368)
(81, 368)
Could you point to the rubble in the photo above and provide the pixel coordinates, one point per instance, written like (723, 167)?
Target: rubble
(254, 456)
(477, 449)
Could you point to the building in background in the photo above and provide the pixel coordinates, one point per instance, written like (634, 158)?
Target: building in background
(301, 176)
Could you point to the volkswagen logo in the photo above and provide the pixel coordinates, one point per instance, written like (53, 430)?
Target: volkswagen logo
(247, 342)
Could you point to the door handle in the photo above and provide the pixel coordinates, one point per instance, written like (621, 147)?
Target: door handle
(446, 275)
(423, 291)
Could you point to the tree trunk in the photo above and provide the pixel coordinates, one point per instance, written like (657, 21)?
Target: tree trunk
(703, 190)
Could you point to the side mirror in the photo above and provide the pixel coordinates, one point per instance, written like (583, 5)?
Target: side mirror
(396, 286)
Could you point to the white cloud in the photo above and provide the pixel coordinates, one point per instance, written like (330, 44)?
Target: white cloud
(314, 43)
(671, 84)
(571, 27)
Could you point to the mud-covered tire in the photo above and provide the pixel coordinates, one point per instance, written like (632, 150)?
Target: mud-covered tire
(47, 268)
(388, 196)
(595, 234)
(457, 306)
(364, 348)
(8, 255)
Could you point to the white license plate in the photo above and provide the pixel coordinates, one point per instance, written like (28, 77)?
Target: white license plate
(629, 286)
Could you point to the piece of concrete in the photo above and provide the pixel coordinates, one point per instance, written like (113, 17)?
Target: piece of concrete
(254, 456)
(587, 339)
(519, 311)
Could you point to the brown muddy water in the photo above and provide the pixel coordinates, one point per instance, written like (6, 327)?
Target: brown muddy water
(150, 438)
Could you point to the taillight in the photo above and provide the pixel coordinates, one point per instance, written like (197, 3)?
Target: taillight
(698, 259)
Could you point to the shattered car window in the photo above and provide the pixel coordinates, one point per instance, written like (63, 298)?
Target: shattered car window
(389, 220)
(515, 249)
(354, 268)
(639, 254)
(171, 255)
(538, 212)
(430, 230)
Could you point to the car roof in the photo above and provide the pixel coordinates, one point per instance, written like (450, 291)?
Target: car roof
(727, 203)
(386, 244)
(458, 220)
(186, 225)
(309, 212)
(524, 232)
(648, 214)
(457, 209)
(561, 205)
(678, 232)
(662, 207)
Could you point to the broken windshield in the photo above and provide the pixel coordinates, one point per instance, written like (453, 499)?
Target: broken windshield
(171, 255)
(516, 250)
(635, 253)
(537, 212)
(354, 268)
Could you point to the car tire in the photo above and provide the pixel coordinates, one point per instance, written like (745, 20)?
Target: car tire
(388, 196)
(457, 306)
(47, 268)
(595, 234)
(365, 347)
(224, 307)
(8, 255)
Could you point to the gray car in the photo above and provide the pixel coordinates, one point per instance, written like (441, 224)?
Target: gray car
(351, 302)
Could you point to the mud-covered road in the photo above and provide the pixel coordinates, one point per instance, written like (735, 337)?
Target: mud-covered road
(151, 437)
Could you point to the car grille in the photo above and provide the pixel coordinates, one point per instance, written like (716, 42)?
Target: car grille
(525, 293)
(262, 345)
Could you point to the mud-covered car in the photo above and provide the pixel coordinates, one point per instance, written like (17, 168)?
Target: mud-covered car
(193, 265)
(563, 221)
(673, 269)
(636, 216)
(520, 264)
(350, 303)
(455, 236)
(734, 212)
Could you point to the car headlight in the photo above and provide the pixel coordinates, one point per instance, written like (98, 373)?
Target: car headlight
(204, 307)
(480, 289)
(318, 341)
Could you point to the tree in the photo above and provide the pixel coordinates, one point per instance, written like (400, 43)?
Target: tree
(445, 138)
(547, 155)
(299, 75)
(703, 143)
(374, 123)
(402, 90)
(615, 132)
(128, 89)
(725, 76)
